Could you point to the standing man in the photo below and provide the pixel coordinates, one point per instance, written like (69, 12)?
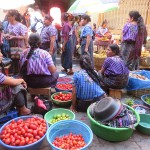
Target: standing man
(48, 35)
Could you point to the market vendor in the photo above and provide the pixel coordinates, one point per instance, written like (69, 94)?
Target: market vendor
(103, 31)
(114, 73)
(12, 93)
(86, 88)
(37, 67)
(86, 37)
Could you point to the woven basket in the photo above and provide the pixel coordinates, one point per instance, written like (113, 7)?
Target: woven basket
(98, 62)
(139, 93)
(145, 61)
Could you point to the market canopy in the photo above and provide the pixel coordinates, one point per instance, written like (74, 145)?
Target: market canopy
(84, 6)
(13, 4)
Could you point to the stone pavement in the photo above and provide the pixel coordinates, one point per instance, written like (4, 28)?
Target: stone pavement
(136, 142)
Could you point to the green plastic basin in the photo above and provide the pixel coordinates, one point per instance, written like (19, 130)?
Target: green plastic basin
(110, 133)
(144, 124)
(50, 114)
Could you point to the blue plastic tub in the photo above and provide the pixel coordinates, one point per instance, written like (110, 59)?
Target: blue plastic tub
(8, 116)
(33, 146)
(69, 126)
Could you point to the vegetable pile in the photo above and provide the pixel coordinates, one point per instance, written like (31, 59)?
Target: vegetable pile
(70, 142)
(23, 132)
(63, 96)
(59, 117)
(147, 100)
(64, 86)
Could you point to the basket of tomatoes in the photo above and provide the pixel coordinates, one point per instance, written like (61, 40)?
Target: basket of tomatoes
(69, 135)
(63, 87)
(23, 133)
(62, 98)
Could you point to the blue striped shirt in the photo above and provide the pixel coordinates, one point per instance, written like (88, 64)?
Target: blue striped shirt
(86, 88)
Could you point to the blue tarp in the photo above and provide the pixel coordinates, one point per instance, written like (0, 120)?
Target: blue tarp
(137, 84)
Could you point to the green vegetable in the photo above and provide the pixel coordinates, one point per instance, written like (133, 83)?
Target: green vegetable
(129, 102)
(147, 100)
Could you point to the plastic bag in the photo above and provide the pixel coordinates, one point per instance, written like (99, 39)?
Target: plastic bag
(136, 84)
(41, 106)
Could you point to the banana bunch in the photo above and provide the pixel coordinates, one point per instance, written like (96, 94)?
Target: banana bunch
(101, 55)
(145, 54)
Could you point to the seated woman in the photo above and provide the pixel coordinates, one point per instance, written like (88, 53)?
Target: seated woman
(103, 31)
(114, 73)
(86, 88)
(12, 93)
(37, 66)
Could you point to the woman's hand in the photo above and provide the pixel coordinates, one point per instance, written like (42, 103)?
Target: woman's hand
(24, 84)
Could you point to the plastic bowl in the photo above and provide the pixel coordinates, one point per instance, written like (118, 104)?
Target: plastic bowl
(110, 133)
(33, 146)
(143, 99)
(61, 90)
(50, 114)
(61, 103)
(144, 124)
(69, 126)
(64, 80)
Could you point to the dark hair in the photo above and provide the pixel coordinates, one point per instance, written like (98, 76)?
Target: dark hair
(49, 17)
(65, 16)
(34, 42)
(85, 63)
(138, 18)
(115, 48)
(15, 13)
(104, 22)
(86, 17)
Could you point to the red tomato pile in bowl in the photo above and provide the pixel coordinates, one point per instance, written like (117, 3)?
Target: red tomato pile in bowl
(63, 96)
(64, 87)
(23, 132)
(70, 142)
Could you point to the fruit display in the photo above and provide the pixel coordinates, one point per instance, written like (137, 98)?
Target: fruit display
(64, 87)
(145, 54)
(63, 96)
(59, 117)
(129, 102)
(147, 100)
(138, 76)
(100, 55)
(70, 142)
(23, 132)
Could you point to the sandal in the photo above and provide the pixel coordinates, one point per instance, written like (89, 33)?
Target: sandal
(70, 73)
(64, 70)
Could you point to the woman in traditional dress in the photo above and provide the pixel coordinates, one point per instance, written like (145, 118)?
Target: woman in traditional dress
(48, 36)
(86, 37)
(87, 87)
(67, 47)
(114, 73)
(37, 66)
(16, 35)
(12, 93)
(132, 40)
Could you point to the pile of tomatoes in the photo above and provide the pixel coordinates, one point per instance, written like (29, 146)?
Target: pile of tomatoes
(23, 132)
(64, 86)
(69, 142)
(63, 96)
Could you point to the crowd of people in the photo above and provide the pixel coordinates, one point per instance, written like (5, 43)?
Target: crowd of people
(34, 56)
